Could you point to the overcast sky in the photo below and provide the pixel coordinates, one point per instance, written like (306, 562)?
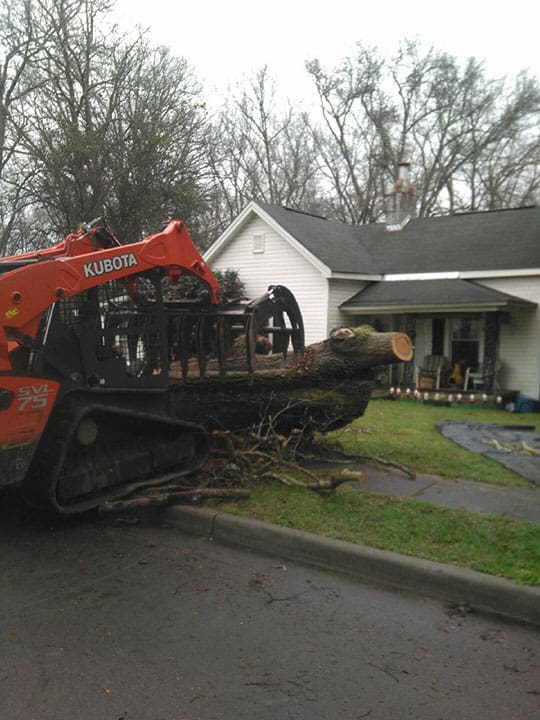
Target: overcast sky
(227, 41)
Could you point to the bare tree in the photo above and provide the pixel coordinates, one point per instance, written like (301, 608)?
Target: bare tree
(20, 43)
(452, 123)
(262, 151)
(159, 168)
(506, 170)
(354, 141)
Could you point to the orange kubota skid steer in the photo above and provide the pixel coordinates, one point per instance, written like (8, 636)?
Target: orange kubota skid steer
(86, 343)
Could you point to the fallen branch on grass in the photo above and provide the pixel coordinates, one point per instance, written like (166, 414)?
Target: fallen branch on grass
(195, 496)
(521, 449)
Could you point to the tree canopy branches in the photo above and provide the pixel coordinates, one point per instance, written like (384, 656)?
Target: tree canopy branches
(96, 122)
(459, 130)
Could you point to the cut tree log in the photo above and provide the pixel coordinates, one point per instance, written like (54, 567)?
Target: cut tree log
(344, 352)
(348, 350)
(326, 388)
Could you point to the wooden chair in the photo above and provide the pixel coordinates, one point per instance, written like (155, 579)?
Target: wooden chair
(428, 375)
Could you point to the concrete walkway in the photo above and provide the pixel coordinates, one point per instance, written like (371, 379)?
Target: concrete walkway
(511, 502)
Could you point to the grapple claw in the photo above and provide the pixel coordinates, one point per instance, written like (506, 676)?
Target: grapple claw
(277, 305)
(272, 321)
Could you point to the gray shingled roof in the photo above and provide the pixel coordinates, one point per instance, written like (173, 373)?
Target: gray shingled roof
(428, 293)
(480, 241)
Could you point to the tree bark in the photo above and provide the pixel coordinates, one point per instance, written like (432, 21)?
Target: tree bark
(348, 350)
(325, 389)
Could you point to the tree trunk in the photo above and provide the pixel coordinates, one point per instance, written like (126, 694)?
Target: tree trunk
(325, 389)
(348, 350)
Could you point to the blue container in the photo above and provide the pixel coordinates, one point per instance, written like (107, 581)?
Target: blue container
(524, 404)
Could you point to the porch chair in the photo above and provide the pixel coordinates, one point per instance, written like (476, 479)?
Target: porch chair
(430, 373)
(476, 376)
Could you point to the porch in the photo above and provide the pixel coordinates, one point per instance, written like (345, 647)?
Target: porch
(455, 327)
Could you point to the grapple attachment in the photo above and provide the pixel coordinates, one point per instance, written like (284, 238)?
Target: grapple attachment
(268, 316)
(270, 323)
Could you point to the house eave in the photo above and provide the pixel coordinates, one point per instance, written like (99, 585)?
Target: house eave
(424, 309)
(519, 272)
(461, 275)
(356, 276)
(444, 275)
(320, 266)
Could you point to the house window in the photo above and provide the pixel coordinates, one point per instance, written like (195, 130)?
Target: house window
(465, 339)
(258, 243)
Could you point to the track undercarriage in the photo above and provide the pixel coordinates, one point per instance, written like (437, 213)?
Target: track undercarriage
(94, 452)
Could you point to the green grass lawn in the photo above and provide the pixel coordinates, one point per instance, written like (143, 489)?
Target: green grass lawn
(492, 545)
(405, 431)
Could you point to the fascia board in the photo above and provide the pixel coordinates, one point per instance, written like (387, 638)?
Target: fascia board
(398, 277)
(521, 272)
(461, 274)
(356, 276)
(401, 309)
(320, 266)
(225, 236)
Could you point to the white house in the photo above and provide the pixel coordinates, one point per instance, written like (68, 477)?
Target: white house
(464, 286)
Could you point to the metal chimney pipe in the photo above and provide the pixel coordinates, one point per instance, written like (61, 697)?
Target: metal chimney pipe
(399, 199)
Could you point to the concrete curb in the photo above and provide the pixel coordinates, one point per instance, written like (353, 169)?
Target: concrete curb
(485, 593)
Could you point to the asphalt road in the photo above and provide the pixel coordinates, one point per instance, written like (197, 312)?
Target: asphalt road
(103, 619)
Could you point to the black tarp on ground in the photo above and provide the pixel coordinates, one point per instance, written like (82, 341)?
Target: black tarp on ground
(503, 443)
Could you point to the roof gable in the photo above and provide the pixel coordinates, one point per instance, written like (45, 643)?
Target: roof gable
(255, 209)
(339, 246)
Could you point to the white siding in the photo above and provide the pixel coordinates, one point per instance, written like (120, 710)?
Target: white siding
(276, 261)
(279, 264)
(338, 292)
(519, 346)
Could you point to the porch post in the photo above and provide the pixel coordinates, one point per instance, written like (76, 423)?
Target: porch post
(491, 340)
(410, 330)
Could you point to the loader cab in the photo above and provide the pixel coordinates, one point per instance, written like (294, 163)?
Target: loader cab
(109, 336)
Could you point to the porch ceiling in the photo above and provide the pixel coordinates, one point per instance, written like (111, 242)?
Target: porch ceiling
(398, 297)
